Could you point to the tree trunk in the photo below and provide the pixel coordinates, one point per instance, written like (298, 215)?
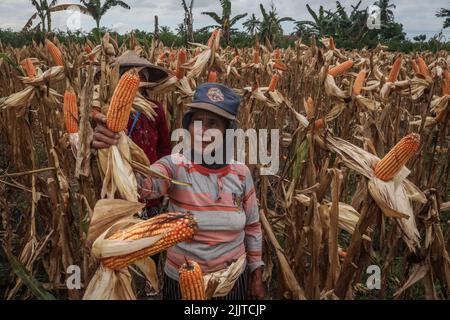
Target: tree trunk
(43, 22)
(49, 21)
(156, 33)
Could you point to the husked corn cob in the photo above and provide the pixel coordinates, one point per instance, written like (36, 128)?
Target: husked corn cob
(423, 68)
(213, 38)
(176, 228)
(359, 82)
(394, 161)
(122, 101)
(274, 83)
(212, 76)
(340, 69)
(55, 53)
(181, 61)
(29, 68)
(70, 112)
(191, 282)
(415, 67)
(395, 70)
(280, 66)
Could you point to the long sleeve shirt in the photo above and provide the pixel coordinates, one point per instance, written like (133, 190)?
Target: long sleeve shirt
(153, 138)
(224, 205)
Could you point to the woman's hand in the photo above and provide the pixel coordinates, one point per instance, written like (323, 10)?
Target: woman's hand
(103, 137)
(256, 289)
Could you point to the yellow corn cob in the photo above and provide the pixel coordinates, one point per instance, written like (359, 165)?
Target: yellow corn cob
(415, 67)
(394, 161)
(274, 83)
(29, 68)
(395, 70)
(122, 102)
(176, 228)
(191, 282)
(340, 69)
(212, 76)
(359, 82)
(55, 53)
(280, 66)
(423, 68)
(181, 61)
(70, 112)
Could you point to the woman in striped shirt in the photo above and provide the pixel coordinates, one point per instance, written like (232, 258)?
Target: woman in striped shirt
(221, 197)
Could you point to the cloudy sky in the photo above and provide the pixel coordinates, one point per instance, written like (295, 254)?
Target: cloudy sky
(417, 16)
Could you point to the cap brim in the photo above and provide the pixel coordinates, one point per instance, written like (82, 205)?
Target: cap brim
(212, 108)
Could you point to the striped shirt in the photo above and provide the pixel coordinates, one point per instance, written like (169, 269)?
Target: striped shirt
(224, 205)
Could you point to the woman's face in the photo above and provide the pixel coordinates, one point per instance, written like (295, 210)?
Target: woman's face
(208, 121)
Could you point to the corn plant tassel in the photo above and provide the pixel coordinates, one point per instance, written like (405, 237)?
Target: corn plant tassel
(70, 112)
(394, 161)
(341, 69)
(122, 101)
(191, 282)
(359, 82)
(55, 53)
(28, 67)
(174, 228)
(395, 71)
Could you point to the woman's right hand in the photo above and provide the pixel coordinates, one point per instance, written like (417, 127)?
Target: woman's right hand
(103, 137)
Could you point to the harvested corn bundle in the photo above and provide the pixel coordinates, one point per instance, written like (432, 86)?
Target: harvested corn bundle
(70, 112)
(359, 82)
(340, 69)
(173, 227)
(29, 68)
(394, 161)
(191, 282)
(393, 75)
(55, 53)
(122, 101)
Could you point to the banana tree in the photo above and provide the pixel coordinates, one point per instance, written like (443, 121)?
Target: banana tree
(97, 10)
(271, 28)
(226, 22)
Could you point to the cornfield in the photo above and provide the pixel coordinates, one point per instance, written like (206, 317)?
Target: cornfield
(331, 212)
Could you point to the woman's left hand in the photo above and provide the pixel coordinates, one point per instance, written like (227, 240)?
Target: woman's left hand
(256, 289)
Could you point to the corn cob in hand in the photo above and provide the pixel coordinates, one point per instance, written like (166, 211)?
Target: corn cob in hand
(175, 228)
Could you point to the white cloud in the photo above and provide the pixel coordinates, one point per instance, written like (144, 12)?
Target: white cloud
(416, 16)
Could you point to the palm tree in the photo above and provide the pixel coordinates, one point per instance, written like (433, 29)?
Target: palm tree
(97, 10)
(271, 25)
(225, 21)
(43, 11)
(444, 13)
(387, 15)
(252, 25)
